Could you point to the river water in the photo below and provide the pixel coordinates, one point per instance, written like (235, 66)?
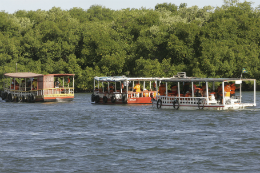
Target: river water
(80, 137)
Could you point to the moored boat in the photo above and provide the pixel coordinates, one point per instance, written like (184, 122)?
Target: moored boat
(33, 87)
(201, 93)
(123, 90)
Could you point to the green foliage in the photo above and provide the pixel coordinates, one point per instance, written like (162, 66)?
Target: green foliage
(168, 6)
(204, 42)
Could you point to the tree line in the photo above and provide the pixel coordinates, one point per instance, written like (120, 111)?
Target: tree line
(203, 42)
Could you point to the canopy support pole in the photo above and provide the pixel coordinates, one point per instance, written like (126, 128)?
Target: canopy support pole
(223, 93)
(127, 89)
(207, 92)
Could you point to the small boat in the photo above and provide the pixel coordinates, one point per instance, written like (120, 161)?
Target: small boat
(123, 90)
(33, 87)
(191, 93)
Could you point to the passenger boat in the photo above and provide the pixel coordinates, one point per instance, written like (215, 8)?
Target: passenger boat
(120, 90)
(201, 93)
(32, 87)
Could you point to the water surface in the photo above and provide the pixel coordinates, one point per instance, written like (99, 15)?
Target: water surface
(80, 137)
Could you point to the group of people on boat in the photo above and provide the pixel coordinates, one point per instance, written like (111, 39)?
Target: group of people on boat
(199, 91)
(134, 89)
(229, 89)
(31, 84)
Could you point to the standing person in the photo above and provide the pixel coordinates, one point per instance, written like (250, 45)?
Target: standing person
(111, 87)
(220, 95)
(154, 86)
(233, 89)
(204, 93)
(186, 87)
(34, 84)
(194, 88)
(57, 83)
(174, 89)
(162, 89)
(227, 89)
(68, 81)
(137, 87)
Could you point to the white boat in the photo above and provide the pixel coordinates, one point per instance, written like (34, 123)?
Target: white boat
(120, 90)
(210, 99)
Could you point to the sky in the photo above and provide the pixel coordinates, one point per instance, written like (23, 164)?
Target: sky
(11, 6)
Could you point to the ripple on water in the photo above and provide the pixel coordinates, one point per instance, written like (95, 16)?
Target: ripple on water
(80, 137)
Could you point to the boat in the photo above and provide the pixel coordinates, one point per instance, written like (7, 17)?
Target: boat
(33, 87)
(201, 93)
(121, 90)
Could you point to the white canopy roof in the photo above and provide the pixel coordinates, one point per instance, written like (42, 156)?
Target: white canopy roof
(172, 79)
(123, 78)
(193, 79)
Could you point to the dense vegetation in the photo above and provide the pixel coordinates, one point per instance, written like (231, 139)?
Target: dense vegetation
(204, 42)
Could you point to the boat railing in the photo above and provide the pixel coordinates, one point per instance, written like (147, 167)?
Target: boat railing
(187, 100)
(200, 100)
(130, 94)
(146, 93)
(16, 92)
(40, 92)
(53, 91)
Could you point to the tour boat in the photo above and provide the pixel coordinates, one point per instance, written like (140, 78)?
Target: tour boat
(120, 90)
(201, 93)
(32, 87)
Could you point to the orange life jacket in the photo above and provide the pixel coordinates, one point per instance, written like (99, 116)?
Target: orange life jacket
(162, 90)
(227, 88)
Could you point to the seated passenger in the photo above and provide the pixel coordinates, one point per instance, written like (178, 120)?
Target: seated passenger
(199, 92)
(187, 94)
(57, 83)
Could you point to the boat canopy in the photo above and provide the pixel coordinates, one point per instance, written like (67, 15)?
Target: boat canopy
(122, 78)
(203, 79)
(32, 75)
(60, 75)
(22, 75)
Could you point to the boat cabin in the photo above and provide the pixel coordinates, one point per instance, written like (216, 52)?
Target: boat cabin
(32, 87)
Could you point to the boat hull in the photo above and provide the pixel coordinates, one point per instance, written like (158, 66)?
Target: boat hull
(54, 98)
(201, 107)
(42, 98)
(140, 100)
